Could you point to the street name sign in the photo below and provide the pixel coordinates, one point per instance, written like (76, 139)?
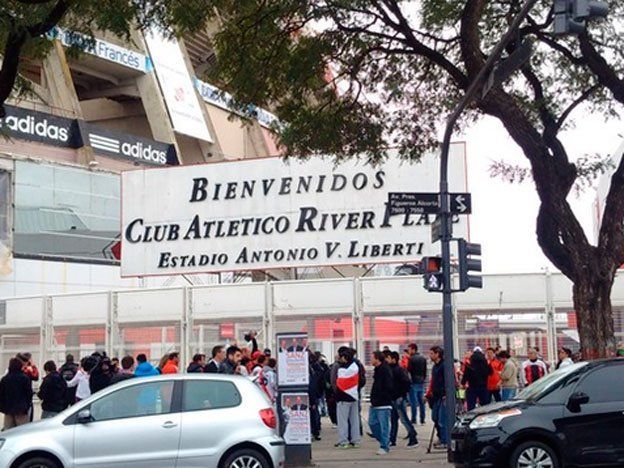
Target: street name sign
(400, 203)
(412, 202)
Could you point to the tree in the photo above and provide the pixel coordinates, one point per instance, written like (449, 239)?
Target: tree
(362, 77)
(358, 77)
(25, 23)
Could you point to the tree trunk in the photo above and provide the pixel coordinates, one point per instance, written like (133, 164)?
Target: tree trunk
(592, 302)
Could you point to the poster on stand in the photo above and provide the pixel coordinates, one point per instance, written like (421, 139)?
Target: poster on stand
(296, 417)
(292, 361)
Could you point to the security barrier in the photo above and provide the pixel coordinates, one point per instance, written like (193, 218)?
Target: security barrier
(513, 311)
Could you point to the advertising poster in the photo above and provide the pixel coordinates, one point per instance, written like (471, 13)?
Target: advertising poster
(296, 417)
(270, 213)
(177, 87)
(292, 359)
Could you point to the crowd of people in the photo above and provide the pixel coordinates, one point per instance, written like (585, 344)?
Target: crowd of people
(481, 377)
(395, 381)
(335, 389)
(496, 375)
(72, 382)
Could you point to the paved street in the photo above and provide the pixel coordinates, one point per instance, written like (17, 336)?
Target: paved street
(326, 456)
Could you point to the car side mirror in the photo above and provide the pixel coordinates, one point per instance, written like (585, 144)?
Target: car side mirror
(576, 400)
(84, 416)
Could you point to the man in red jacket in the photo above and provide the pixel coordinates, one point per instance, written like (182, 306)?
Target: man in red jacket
(494, 380)
(172, 364)
(29, 368)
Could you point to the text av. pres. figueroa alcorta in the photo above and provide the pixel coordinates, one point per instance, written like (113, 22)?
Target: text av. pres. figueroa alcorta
(307, 219)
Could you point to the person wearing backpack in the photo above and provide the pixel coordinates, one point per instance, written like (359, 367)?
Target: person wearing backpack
(52, 392)
(402, 384)
(68, 371)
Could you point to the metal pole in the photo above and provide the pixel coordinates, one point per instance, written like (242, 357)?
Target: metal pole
(445, 214)
(551, 326)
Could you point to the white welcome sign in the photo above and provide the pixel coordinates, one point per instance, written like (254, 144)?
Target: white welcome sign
(271, 213)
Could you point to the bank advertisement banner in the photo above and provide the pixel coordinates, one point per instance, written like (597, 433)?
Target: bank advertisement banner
(292, 360)
(271, 213)
(101, 49)
(296, 416)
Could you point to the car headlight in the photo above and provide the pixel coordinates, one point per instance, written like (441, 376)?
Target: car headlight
(2, 441)
(493, 419)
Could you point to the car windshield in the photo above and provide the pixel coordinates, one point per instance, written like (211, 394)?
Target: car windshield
(545, 384)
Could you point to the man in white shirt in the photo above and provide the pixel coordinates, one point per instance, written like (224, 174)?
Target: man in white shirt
(565, 358)
(81, 379)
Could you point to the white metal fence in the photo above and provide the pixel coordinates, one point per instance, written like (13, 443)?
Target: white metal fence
(515, 311)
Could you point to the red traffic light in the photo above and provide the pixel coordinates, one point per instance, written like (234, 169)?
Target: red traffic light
(431, 264)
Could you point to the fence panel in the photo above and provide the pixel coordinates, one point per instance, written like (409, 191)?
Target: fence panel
(313, 297)
(208, 333)
(510, 313)
(396, 331)
(23, 341)
(515, 330)
(154, 341)
(229, 301)
(326, 332)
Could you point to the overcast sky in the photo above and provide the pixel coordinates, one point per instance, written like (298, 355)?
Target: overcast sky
(504, 214)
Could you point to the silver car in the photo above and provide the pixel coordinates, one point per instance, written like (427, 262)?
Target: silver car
(186, 420)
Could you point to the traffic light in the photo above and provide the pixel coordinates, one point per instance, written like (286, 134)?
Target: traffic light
(571, 16)
(465, 250)
(431, 268)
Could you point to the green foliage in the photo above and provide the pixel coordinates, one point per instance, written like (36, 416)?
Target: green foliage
(34, 18)
(355, 77)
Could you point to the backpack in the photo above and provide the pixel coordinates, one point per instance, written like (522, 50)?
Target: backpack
(405, 382)
(68, 372)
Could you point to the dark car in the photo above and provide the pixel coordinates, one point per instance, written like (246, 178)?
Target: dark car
(572, 417)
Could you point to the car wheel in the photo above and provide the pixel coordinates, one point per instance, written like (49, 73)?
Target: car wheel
(38, 462)
(534, 455)
(246, 458)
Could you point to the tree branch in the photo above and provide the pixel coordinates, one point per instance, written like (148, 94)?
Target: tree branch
(597, 64)
(53, 18)
(611, 235)
(579, 100)
(420, 48)
(547, 118)
(10, 65)
(566, 172)
(15, 42)
(471, 40)
(549, 240)
(567, 53)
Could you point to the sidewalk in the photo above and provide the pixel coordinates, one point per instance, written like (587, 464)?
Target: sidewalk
(325, 455)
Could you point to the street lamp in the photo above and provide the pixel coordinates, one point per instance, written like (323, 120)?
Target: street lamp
(445, 214)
